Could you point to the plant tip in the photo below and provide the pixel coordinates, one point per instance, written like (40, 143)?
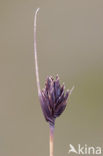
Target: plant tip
(71, 90)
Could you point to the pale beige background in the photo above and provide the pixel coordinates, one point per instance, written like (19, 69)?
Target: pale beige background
(70, 43)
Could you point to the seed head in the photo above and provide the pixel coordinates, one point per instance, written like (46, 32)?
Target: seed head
(53, 99)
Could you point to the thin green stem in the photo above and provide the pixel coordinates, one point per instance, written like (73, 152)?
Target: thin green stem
(51, 141)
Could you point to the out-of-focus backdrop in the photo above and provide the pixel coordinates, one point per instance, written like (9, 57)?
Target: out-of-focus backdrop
(70, 43)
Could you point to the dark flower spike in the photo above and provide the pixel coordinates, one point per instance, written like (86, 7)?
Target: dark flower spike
(53, 97)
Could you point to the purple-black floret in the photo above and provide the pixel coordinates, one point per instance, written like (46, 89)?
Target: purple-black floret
(53, 99)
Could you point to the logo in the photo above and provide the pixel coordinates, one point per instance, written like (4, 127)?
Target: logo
(81, 150)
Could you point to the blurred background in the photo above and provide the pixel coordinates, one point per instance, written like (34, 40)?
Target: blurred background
(70, 43)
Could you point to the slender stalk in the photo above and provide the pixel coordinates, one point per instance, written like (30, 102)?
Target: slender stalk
(38, 81)
(51, 140)
(35, 54)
